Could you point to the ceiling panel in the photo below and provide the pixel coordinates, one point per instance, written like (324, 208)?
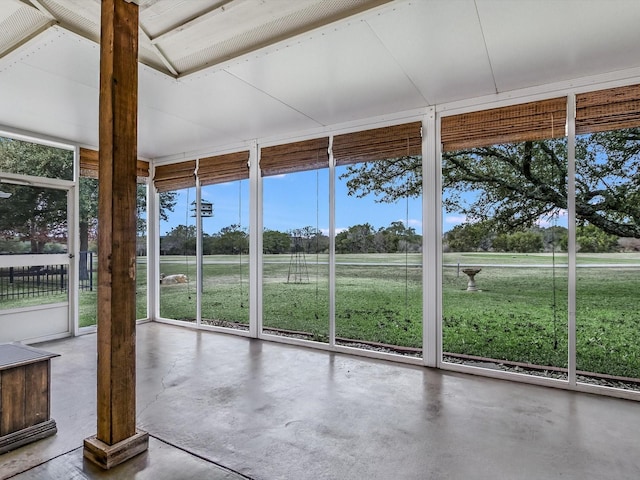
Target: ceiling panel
(401, 56)
(17, 22)
(67, 55)
(162, 134)
(529, 45)
(440, 47)
(219, 102)
(40, 101)
(337, 77)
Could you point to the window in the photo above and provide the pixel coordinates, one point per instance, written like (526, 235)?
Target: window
(378, 241)
(178, 236)
(608, 236)
(88, 226)
(35, 159)
(225, 239)
(504, 274)
(295, 239)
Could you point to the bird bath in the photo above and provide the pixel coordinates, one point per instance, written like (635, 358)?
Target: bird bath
(471, 273)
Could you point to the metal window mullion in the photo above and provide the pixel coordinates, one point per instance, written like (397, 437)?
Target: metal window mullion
(255, 244)
(571, 206)
(153, 249)
(148, 243)
(430, 254)
(73, 246)
(199, 280)
(332, 245)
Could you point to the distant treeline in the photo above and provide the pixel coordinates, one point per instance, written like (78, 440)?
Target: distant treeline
(480, 236)
(234, 240)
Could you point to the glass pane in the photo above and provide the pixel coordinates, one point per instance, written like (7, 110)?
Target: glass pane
(26, 158)
(25, 286)
(33, 220)
(379, 256)
(504, 276)
(608, 258)
(88, 261)
(141, 252)
(178, 295)
(225, 248)
(295, 263)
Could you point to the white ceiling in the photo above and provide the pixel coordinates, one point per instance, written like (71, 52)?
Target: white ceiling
(219, 73)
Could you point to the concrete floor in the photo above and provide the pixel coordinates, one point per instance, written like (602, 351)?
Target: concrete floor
(271, 411)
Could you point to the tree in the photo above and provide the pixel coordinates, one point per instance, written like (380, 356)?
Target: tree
(88, 221)
(555, 238)
(313, 241)
(274, 241)
(231, 240)
(181, 240)
(40, 215)
(168, 202)
(397, 238)
(34, 214)
(357, 239)
(524, 242)
(591, 239)
(517, 184)
(470, 237)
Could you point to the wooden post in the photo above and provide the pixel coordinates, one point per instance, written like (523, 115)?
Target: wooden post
(117, 439)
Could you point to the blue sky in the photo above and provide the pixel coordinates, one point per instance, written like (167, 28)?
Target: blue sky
(293, 201)
(450, 220)
(302, 199)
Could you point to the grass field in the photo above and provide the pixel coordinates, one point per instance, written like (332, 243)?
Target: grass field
(87, 300)
(519, 314)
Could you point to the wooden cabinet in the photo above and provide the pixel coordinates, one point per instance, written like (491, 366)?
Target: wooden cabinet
(25, 409)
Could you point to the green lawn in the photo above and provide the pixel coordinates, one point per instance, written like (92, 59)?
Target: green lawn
(519, 314)
(87, 299)
(515, 316)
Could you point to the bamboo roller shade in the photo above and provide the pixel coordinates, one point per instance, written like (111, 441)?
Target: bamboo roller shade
(89, 160)
(378, 144)
(295, 157)
(175, 176)
(516, 123)
(223, 168)
(609, 109)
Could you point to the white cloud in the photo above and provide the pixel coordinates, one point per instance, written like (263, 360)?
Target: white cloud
(412, 222)
(550, 221)
(325, 231)
(455, 219)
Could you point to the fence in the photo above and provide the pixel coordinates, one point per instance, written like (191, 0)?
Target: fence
(41, 280)
(86, 271)
(34, 281)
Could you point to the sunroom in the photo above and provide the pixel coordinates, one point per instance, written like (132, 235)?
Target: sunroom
(447, 184)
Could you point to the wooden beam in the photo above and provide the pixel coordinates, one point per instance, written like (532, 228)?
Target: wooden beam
(116, 402)
(159, 53)
(116, 217)
(187, 23)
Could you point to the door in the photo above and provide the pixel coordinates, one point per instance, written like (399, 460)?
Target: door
(35, 270)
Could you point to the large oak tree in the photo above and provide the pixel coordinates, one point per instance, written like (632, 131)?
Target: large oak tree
(515, 185)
